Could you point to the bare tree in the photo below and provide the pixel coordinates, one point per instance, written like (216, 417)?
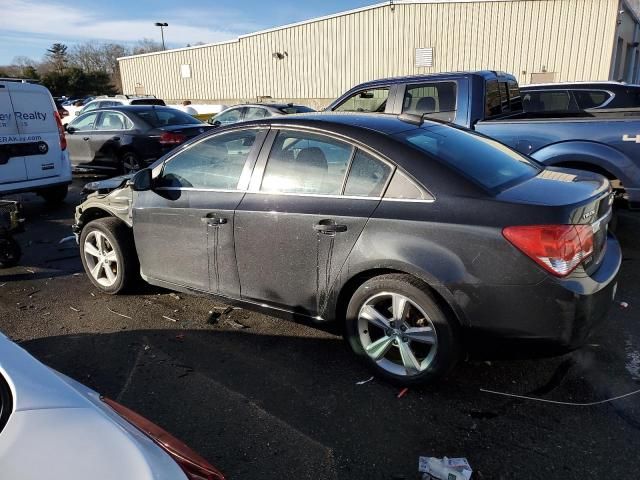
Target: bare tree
(146, 45)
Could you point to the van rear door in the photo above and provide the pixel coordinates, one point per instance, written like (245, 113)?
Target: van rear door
(34, 112)
(12, 167)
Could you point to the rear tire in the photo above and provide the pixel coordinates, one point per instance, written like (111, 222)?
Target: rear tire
(109, 256)
(55, 195)
(413, 344)
(10, 252)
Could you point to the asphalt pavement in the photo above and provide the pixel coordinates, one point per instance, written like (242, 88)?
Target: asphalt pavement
(264, 398)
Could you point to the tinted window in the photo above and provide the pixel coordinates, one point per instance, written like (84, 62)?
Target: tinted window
(437, 100)
(147, 101)
(306, 163)
(85, 122)
(373, 100)
(215, 163)
(481, 159)
(112, 121)
(254, 113)
(90, 106)
(547, 101)
(403, 188)
(504, 96)
(590, 98)
(166, 117)
(515, 99)
(230, 116)
(296, 109)
(493, 105)
(367, 176)
(107, 103)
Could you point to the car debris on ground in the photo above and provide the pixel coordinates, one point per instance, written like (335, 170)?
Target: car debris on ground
(444, 468)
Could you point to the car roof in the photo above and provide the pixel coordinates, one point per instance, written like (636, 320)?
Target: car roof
(579, 85)
(134, 108)
(485, 74)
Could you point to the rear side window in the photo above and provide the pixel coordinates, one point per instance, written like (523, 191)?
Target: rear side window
(481, 159)
(548, 101)
(166, 117)
(493, 105)
(590, 98)
(33, 111)
(296, 109)
(215, 163)
(437, 100)
(515, 99)
(301, 162)
(367, 176)
(372, 100)
(404, 188)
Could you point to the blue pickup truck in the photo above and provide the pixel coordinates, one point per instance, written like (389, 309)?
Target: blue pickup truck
(606, 142)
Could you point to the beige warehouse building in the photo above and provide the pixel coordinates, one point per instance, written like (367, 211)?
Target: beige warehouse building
(316, 60)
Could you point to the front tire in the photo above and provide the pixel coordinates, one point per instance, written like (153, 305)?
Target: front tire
(130, 162)
(10, 252)
(55, 195)
(108, 255)
(397, 327)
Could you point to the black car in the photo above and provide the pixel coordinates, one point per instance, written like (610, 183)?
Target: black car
(579, 96)
(428, 240)
(127, 138)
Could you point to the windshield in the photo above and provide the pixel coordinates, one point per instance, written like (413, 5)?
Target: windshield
(158, 118)
(485, 161)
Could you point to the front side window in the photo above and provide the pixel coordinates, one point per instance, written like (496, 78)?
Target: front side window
(367, 176)
(437, 100)
(84, 122)
(230, 116)
(372, 100)
(111, 121)
(254, 113)
(481, 159)
(306, 163)
(215, 163)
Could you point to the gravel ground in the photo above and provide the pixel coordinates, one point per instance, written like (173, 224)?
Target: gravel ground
(266, 398)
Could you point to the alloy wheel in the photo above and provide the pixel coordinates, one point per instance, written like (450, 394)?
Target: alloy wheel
(397, 334)
(101, 258)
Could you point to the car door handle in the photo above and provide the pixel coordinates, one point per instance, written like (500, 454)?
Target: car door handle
(329, 228)
(115, 139)
(86, 139)
(213, 219)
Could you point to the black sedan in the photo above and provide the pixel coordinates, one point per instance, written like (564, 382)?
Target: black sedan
(425, 239)
(127, 138)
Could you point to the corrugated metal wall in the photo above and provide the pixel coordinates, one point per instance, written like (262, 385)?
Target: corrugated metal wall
(573, 38)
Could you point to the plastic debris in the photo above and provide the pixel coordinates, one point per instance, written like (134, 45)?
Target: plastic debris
(444, 468)
(74, 309)
(403, 392)
(66, 239)
(119, 314)
(624, 305)
(232, 323)
(364, 381)
(174, 295)
(169, 318)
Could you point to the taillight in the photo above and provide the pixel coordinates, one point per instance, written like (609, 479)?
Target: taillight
(559, 249)
(170, 138)
(63, 139)
(193, 465)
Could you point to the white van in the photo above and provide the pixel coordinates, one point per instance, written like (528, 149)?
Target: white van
(33, 149)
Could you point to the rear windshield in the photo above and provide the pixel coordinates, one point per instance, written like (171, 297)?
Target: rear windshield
(296, 109)
(166, 117)
(147, 101)
(486, 162)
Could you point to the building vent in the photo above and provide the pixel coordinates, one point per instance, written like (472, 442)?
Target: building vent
(424, 57)
(185, 71)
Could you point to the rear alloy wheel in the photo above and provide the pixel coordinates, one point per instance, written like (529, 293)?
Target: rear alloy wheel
(396, 326)
(108, 255)
(10, 252)
(130, 162)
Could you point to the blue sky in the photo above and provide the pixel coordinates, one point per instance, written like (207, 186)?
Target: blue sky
(29, 27)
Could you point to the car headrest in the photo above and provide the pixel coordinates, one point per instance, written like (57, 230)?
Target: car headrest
(426, 105)
(312, 158)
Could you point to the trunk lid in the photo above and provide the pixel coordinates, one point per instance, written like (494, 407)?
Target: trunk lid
(585, 198)
(188, 131)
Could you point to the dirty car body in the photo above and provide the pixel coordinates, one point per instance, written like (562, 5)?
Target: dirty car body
(265, 233)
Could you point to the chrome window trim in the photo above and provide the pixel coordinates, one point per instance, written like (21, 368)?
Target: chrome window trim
(409, 200)
(218, 190)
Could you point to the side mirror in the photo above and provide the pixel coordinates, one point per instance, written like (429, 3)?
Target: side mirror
(69, 129)
(216, 123)
(142, 180)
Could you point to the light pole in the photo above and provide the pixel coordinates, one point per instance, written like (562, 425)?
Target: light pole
(162, 25)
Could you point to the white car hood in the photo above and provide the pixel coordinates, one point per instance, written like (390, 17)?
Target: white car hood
(61, 430)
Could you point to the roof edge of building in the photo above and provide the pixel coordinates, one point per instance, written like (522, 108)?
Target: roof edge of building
(305, 22)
